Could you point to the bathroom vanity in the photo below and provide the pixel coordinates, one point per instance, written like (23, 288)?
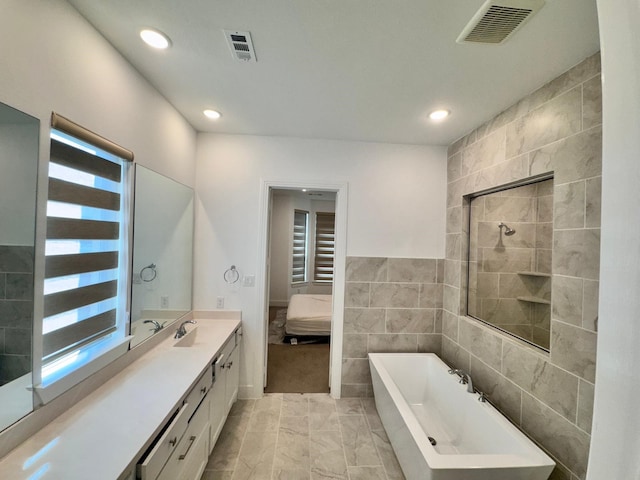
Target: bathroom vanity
(183, 391)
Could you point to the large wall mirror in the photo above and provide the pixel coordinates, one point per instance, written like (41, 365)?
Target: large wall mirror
(162, 253)
(509, 275)
(19, 139)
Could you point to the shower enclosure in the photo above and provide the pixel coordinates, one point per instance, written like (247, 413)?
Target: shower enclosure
(509, 274)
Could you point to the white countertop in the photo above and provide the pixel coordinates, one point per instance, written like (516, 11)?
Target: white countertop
(104, 433)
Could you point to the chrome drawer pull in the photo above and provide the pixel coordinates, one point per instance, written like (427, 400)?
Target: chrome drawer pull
(192, 438)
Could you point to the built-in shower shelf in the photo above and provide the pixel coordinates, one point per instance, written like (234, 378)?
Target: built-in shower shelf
(535, 274)
(534, 300)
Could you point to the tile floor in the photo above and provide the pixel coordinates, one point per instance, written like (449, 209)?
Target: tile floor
(303, 436)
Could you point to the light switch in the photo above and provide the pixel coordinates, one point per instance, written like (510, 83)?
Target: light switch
(249, 281)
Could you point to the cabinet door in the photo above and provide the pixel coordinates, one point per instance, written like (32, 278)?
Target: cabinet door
(233, 378)
(217, 409)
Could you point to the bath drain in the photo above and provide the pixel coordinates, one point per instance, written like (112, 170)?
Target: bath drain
(432, 441)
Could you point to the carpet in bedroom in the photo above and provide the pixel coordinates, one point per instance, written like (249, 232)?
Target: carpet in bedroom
(298, 369)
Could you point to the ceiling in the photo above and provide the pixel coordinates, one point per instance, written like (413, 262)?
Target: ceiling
(363, 70)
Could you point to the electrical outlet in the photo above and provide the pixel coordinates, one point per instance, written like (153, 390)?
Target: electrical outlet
(164, 301)
(220, 302)
(249, 280)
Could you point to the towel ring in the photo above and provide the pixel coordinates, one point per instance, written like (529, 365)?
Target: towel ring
(231, 275)
(150, 275)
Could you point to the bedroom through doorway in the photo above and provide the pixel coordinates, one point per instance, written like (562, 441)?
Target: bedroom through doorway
(301, 249)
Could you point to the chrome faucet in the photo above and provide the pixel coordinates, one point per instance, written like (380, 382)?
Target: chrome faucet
(465, 378)
(182, 331)
(157, 326)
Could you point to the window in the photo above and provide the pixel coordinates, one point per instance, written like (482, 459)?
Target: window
(86, 252)
(300, 241)
(325, 247)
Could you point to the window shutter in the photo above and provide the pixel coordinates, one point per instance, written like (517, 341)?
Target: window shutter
(325, 247)
(300, 224)
(86, 231)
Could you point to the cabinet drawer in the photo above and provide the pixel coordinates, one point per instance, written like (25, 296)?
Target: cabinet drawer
(165, 446)
(192, 450)
(198, 392)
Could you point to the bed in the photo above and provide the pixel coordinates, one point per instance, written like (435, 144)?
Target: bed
(309, 315)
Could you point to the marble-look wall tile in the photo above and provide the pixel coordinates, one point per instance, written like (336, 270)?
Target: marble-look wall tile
(454, 167)
(357, 294)
(562, 438)
(366, 269)
(489, 235)
(364, 320)
(574, 158)
(590, 305)
(502, 173)
(577, 253)
(505, 311)
(574, 349)
(552, 385)
(451, 299)
(484, 153)
(430, 343)
(592, 102)
(431, 295)
(461, 143)
(354, 345)
(19, 286)
(501, 392)
(593, 201)
(554, 120)
(17, 341)
(394, 295)
(513, 285)
(509, 209)
(453, 246)
(481, 343)
(569, 205)
(567, 299)
(16, 314)
(450, 325)
(393, 342)
(506, 260)
(452, 272)
(454, 220)
(410, 320)
(356, 370)
(586, 394)
(454, 355)
(420, 270)
(16, 259)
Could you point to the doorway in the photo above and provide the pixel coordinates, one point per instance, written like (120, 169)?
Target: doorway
(300, 285)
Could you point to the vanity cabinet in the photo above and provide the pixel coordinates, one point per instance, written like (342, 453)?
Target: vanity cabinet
(224, 392)
(182, 450)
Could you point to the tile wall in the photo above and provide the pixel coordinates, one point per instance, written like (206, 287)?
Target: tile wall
(550, 396)
(16, 311)
(391, 305)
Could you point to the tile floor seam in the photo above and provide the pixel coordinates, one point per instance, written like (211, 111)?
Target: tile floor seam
(375, 445)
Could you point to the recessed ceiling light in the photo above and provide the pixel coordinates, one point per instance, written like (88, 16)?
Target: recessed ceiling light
(155, 39)
(439, 114)
(304, 189)
(212, 114)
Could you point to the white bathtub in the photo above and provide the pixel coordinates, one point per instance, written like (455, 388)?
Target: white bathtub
(417, 398)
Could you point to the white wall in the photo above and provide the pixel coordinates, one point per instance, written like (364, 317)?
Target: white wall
(615, 440)
(18, 164)
(53, 60)
(396, 208)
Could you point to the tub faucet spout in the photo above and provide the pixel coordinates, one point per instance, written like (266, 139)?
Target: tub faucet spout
(465, 378)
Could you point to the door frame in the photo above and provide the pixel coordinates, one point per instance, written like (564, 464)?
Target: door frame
(339, 264)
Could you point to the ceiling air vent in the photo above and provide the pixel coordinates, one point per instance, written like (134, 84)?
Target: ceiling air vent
(240, 45)
(497, 20)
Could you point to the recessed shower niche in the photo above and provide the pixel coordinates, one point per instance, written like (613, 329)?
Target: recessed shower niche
(509, 268)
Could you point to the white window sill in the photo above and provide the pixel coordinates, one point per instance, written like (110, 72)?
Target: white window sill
(77, 366)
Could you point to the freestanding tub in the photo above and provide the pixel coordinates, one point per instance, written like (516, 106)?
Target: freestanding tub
(418, 399)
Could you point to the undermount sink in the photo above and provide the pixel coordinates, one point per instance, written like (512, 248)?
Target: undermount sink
(187, 340)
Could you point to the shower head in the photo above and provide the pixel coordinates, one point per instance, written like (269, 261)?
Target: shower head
(507, 231)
